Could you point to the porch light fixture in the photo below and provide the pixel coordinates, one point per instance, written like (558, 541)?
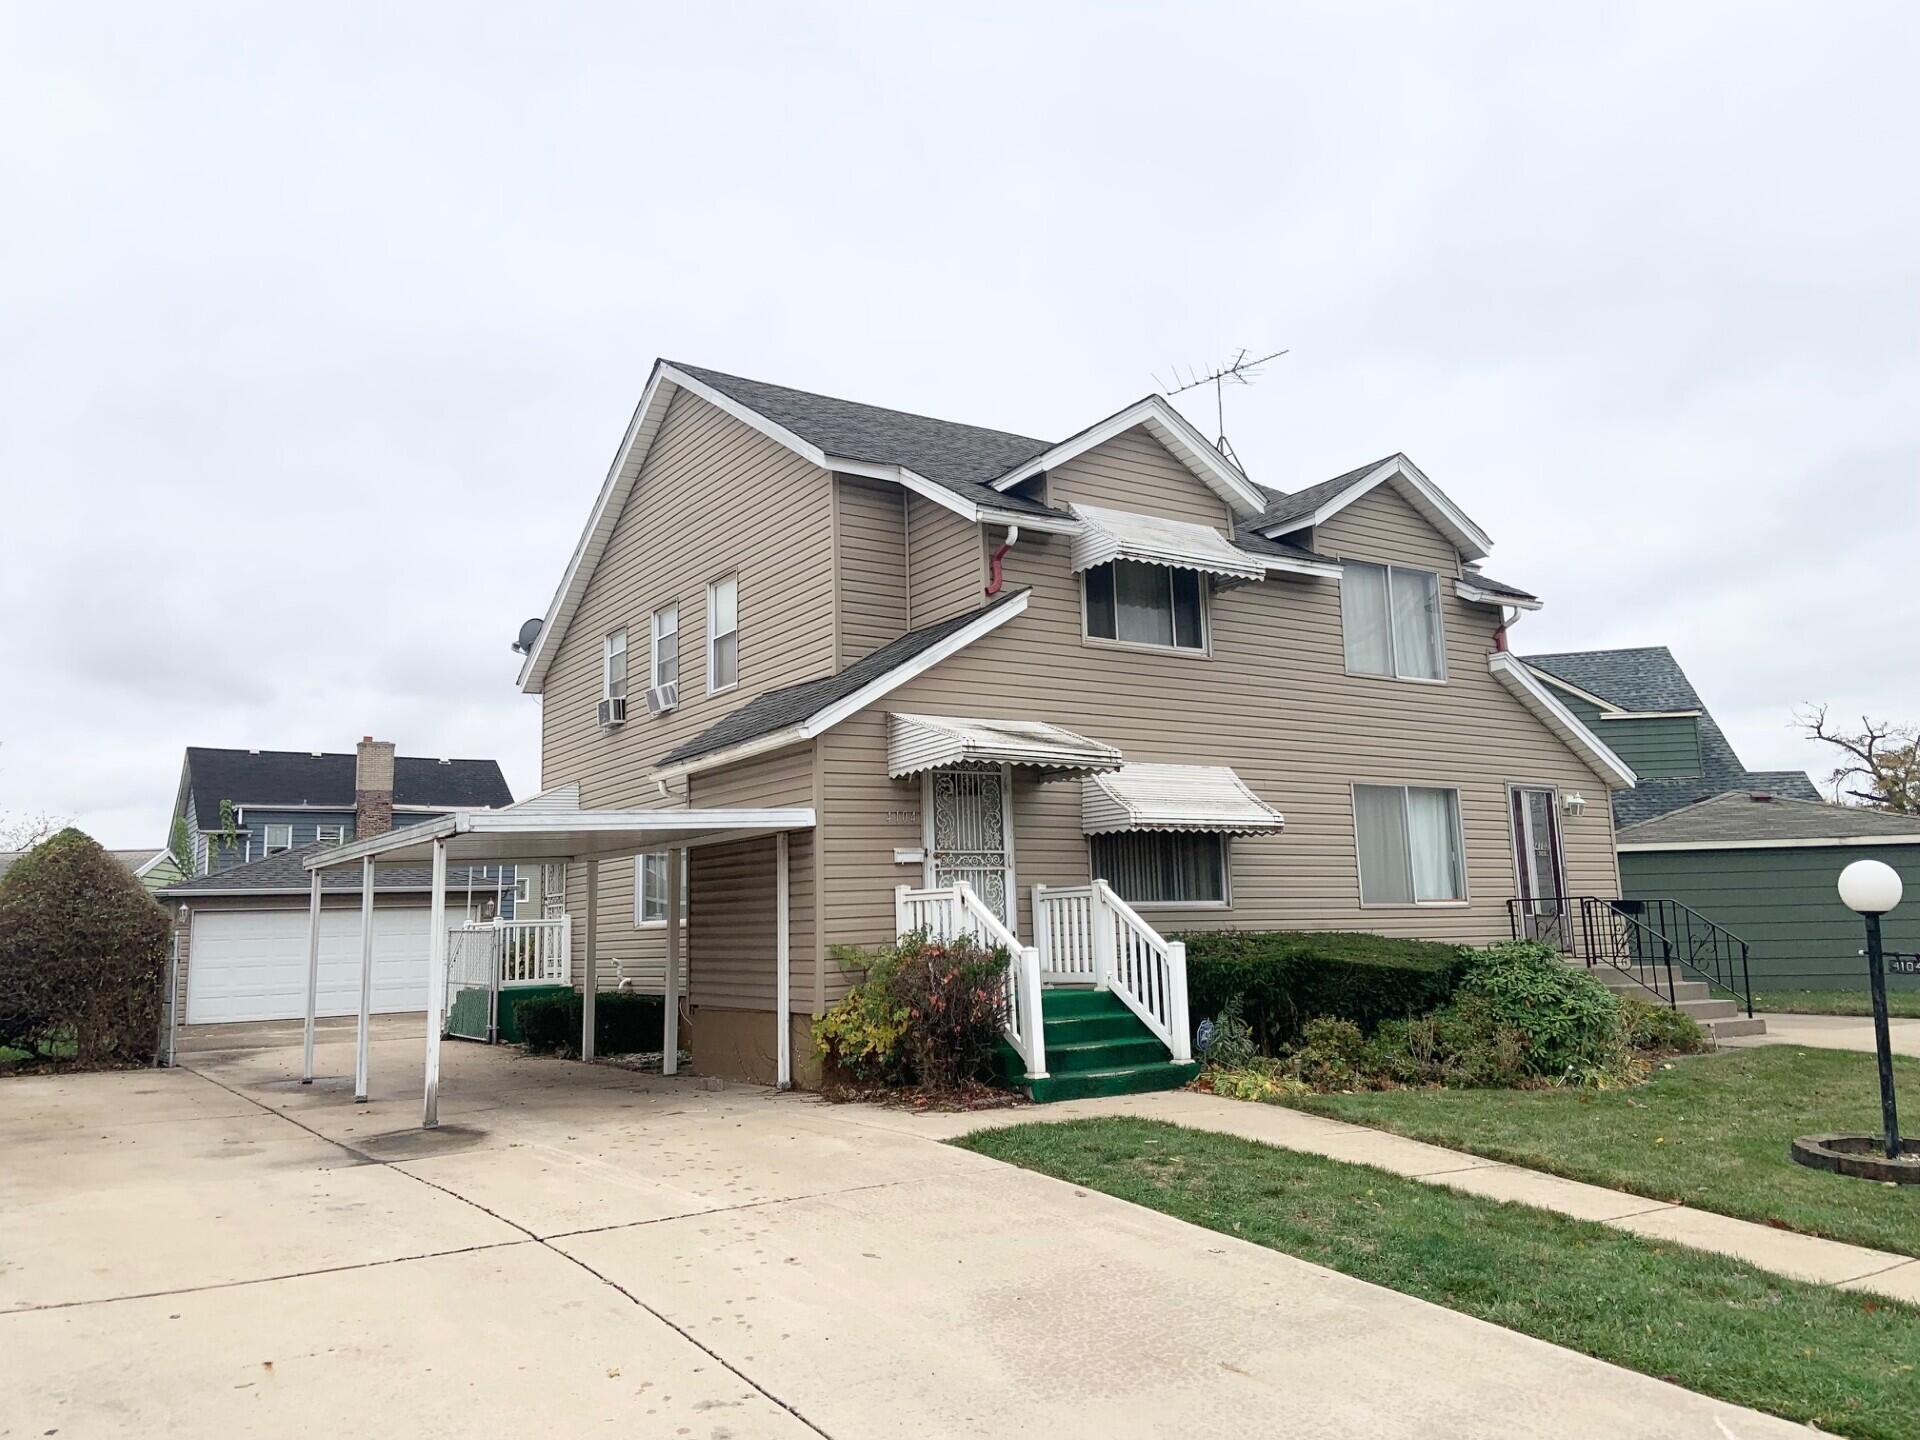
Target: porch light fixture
(1574, 804)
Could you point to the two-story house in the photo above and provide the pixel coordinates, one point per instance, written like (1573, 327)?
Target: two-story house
(1109, 665)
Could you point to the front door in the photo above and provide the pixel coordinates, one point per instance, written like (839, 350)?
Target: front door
(1537, 865)
(969, 834)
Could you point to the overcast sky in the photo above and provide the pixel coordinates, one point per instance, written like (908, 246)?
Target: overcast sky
(319, 324)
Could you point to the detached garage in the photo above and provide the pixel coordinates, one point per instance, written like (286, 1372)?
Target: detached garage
(243, 942)
(1765, 867)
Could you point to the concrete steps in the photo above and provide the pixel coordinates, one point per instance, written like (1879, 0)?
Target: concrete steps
(1097, 1046)
(1720, 1018)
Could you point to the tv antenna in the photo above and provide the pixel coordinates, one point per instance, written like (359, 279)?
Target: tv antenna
(1240, 371)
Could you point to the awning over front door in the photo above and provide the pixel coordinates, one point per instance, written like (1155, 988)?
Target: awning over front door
(933, 742)
(1174, 797)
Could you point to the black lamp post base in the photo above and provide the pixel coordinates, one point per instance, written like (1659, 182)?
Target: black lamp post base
(1862, 1156)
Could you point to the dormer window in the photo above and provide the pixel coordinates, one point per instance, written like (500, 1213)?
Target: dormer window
(1131, 602)
(1390, 616)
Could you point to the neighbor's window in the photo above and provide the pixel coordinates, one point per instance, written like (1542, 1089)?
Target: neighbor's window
(329, 834)
(1142, 604)
(1174, 868)
(650, 895)
(522, 889)
(666, 646)
(613, 665)
(1409, 840)
(278, 838)
(1391, 618)
(723, 633)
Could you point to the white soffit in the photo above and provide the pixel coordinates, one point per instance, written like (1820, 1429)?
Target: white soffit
(1525, 687)
(1174, 797)
(1108, 535)
(927, 742)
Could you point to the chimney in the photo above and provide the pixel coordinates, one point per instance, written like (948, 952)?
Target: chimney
(372, 788)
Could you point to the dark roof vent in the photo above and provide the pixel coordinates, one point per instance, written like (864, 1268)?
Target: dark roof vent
(1760, 797)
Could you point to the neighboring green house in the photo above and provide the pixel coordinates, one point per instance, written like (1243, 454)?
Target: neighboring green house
(1766, 867)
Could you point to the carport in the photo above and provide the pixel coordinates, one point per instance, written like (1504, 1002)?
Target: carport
(496, 837)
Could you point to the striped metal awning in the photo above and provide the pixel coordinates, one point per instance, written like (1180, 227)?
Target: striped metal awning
(1174, 797)
(932, 742)
(1108, 535)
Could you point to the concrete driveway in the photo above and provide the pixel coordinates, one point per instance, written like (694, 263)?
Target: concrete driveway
(217, 1251)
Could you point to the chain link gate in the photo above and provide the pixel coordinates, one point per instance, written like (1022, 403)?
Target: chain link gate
(473, 983)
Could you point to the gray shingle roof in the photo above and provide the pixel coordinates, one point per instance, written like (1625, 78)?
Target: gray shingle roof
(1498, 587)
(1301, 503)
(284, 873)
(1650, 678)
(1258, 544)
(963, 458)
(299, 777)
(1738, 815)
(792, 704)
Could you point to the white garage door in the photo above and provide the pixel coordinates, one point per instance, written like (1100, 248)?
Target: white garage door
(252, 964)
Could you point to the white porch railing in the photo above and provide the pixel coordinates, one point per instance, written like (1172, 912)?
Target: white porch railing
(956, 910)
(524, 952)
(1090, 936)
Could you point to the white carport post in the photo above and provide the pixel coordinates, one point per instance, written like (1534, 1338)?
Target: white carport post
(590, 981)
(366, 978)
(670, 1020)
(783, 979)
(313, 975)
(436, 984)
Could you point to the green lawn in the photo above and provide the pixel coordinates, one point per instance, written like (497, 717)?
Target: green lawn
(1712, 1131)
(1841, 1360)
(1904, 1002)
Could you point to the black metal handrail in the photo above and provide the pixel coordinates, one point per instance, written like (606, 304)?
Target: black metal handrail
(1643, 939)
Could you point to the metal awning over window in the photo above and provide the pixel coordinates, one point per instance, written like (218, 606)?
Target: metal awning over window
(1174, 797)
(1108, 535)
(931, 742)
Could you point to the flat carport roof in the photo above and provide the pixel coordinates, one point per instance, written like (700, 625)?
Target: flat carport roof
(516, 836)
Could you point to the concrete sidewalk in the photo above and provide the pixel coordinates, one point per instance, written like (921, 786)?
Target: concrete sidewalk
(1831, 1032)
(1784, 1252)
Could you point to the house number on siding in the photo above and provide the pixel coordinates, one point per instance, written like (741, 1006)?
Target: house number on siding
(903, 817)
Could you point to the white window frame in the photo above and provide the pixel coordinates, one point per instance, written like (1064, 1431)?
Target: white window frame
(321, 837)
(1459, 830)
(1226, 877)
(732, 578)
(267, 847)
(654, 637)
(640, 922)
(1393, 650)
(1202, 651)
(522, 891)
(608, 649)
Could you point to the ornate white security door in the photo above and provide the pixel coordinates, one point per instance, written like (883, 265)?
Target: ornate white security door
(970, 834)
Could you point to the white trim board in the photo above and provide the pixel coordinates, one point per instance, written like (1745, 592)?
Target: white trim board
(1420, 492)
(1525, 686)
(1475, 595)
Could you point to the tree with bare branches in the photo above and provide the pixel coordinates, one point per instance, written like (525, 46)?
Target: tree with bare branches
(1880, 763)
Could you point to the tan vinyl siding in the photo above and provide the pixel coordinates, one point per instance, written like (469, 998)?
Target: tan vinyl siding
(1275, 703)
(1381, 525)
(946, 566)
(694, 514)
(871, 540)
(1136, 472)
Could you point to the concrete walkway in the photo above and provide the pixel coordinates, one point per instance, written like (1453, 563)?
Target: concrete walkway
(580, 1250)
(1832, 1032)
(1796, 1256)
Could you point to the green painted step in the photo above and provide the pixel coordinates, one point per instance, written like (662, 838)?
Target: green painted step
(1138, 1049)
(1096, 1046)
(1133, 1080)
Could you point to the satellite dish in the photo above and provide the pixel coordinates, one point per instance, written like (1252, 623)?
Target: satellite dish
(529, 632)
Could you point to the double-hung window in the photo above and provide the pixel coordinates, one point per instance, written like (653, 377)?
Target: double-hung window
(650, 889)
(1409, 844)
(723, 633)
(278, 838)
(329, 834)
(666, 646)
(613, 665)
(1390, 616)
(1175, 867)
(1135, 603)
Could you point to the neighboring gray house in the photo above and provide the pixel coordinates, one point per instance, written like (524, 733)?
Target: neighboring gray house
(1642, 704)
(1110, 682)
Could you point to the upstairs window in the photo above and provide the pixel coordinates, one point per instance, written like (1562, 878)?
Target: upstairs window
(666, 646)
(1133, 603)
(613, 665)
(278, 838)
(1390, 616)
(329, 834)
(723, 633)
(1409, 843)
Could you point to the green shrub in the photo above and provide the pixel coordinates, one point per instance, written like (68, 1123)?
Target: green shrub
(623, 1023)
(1332, 1055)
(83, 955)
(1284, 978)
(1571, 1022)
(925, 1012)
(1661, 1028)
(1462, 1045)
(1231, 1046)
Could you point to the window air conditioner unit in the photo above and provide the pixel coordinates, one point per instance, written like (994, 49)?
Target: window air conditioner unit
(612, 712)
(662, 698)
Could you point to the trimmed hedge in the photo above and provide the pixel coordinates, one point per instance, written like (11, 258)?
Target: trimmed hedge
(1286, 977)
(623, 1023)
